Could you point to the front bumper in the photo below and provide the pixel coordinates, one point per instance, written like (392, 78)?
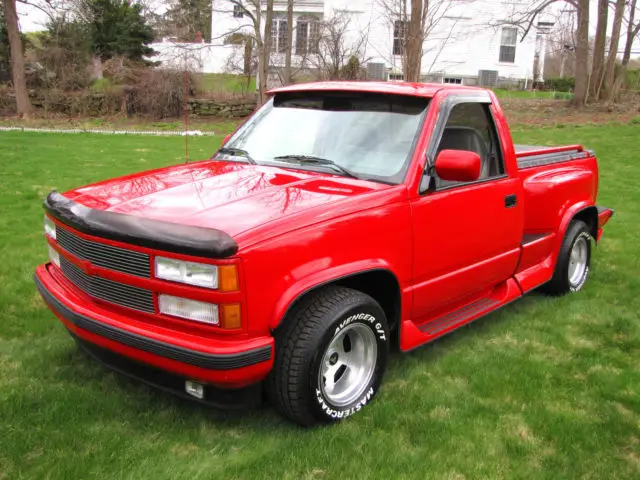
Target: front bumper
(223, 364)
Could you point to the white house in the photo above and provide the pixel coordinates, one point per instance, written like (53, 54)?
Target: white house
(468, 41)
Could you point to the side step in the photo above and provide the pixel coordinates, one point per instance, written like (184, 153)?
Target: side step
(458, 316)
(414, 334)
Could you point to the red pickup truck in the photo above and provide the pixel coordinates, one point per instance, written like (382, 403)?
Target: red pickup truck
(339, 219)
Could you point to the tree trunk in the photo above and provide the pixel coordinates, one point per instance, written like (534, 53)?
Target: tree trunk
(582, 55)
(246, 59)
(414, 43)
(17, 59)
(266, 50)
(632, 32)
(288, 53)
(597, 69)
(263, 40)
(610, 68)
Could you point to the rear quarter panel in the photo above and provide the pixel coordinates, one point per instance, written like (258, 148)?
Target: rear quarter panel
(552, 190)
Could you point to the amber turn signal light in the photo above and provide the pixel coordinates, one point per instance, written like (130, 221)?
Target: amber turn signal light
(230, 317)
(227, 278)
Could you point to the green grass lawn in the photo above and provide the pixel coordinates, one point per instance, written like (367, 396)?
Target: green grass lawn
(545, 388)
(227, 82)
(532, 95)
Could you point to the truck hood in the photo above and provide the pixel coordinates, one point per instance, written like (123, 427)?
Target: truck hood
(228, 196)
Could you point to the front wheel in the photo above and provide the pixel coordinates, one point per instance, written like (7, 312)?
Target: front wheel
(574, 260)
(330, 356)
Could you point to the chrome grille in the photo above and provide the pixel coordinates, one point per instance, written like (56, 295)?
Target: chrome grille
(106, 256)
(108, 290)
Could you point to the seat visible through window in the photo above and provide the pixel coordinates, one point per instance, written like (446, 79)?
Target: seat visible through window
(469, 139)
(470, 127)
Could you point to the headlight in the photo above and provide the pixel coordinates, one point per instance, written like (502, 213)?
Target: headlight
(49, 227)
(191, 273)
(189, 309)
(54, 256)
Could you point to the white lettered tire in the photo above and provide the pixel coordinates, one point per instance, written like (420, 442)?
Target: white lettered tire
(574, 261)
(330, 356)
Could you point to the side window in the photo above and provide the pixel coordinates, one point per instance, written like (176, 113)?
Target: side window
(470, 127)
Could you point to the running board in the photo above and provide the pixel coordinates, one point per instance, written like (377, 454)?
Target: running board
(413, 334)
(456, 317)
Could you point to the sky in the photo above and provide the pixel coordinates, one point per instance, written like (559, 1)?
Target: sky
(31, 19)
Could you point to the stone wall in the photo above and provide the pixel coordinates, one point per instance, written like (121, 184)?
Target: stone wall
(93, 104)
(241, 107)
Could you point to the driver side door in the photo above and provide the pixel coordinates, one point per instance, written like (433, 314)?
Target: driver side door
(466, 234)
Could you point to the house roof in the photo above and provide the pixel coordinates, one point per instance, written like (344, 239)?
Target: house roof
(397, 88)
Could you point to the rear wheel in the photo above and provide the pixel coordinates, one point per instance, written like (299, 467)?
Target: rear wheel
(574, 260)
(330, 356)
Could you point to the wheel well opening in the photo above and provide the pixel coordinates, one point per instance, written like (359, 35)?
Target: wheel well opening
(382, 286)
(589, 216)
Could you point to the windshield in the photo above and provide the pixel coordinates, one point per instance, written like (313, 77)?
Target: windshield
(370, 136)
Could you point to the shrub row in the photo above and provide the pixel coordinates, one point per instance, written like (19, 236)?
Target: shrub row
(560, 84)
(147, 92)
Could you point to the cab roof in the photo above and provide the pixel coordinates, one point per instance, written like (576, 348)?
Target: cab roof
(397, 88)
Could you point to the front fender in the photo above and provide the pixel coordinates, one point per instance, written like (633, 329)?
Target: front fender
(319, 278)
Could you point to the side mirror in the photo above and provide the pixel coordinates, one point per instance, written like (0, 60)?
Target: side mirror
(226, 139)
(458, 165)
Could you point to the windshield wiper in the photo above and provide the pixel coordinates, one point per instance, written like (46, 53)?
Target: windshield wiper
(311, 160)
(237, 152)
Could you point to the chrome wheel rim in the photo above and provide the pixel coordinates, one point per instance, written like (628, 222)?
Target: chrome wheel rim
(578, 261)
(348, 364)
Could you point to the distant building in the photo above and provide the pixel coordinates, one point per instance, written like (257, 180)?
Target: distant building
(469, 41)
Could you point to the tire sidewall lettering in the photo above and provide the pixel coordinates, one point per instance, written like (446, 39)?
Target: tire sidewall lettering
(365, 318)
(337, 414)
(331, 412)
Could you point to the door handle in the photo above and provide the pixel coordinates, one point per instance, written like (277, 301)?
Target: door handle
(510, 200)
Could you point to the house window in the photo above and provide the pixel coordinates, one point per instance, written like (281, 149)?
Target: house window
(508, 45)
(307, 35)
(399, 36)
(396, 77)
(279, 35)
(453, 81)
(238, 11)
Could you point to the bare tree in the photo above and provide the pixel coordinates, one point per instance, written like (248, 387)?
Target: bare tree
(415, 39)
(289, 47)
(243, 61)
(632, 32)
(561, 45)
(257, 27)
(597, 68)
(335, 48)
(412, 25)
(609, 72)
(264, 54)
(17, 58)
(525, 19)
(580, 92)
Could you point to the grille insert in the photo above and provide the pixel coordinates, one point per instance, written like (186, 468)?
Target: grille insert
(106, 256)
(113, 292)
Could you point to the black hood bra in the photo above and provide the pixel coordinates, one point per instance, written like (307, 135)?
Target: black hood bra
(145, 232)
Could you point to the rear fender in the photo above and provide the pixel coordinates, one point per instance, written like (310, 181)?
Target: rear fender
(319, 279)
(584, 211)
